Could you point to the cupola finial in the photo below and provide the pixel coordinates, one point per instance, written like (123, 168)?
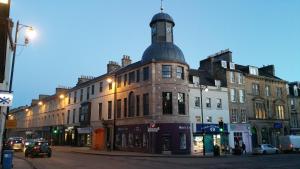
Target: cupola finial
(161, 6)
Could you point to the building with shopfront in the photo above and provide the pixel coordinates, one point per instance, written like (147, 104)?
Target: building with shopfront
(266, 100)
(6, 48)
(294, 107)
(215, 113)
(140, 106)
(220, 66)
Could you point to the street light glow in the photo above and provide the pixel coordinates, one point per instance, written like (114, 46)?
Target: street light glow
(206, 89)
(62, 96)
(26, 110)
(109, 80)
(30, 33)
(4, 1)
(40, 103)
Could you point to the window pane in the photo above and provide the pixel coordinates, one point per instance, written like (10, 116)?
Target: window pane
(166, 71)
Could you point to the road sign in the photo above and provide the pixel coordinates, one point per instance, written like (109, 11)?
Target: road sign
(6, 99)
(10, 124)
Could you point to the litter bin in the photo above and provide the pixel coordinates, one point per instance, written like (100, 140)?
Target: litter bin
(7, 159)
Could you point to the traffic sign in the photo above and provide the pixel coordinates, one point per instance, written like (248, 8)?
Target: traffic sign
(6, 99)
(155, 130)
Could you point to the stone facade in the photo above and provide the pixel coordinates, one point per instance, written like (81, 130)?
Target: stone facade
(294, 107)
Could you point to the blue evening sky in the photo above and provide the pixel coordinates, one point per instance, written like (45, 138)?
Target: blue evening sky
(78, 37)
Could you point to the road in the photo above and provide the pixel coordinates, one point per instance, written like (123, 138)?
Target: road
(68, 160)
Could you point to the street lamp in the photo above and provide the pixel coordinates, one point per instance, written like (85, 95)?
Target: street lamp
(201, 88)
(29, 34)
(111, 80)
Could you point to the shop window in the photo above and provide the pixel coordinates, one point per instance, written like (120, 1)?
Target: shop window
(137, 141)
(238, 138)
(145, 139)
(182, 137)
(130, 140)
(124, 140)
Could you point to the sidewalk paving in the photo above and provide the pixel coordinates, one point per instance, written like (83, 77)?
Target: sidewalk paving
(19, 163)
(88, 150)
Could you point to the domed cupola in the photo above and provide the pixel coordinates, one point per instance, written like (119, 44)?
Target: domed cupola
(162, 47)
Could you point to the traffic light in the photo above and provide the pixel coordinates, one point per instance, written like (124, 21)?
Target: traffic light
(221, 126)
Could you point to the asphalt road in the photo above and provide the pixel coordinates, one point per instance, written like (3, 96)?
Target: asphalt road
(67, 160)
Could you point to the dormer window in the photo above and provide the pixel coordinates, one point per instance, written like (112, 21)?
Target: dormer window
(224, 64)
(295, 90)
(253, 70)
(231, 66)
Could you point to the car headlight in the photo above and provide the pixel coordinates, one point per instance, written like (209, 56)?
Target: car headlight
(26, 144)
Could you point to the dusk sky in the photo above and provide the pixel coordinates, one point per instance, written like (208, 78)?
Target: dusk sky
(77, 38)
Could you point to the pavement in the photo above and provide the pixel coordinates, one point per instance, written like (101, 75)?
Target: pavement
(88, 150)
(22, 163)
(19, 163)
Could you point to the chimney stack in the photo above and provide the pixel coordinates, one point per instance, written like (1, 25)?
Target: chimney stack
(112, 66)
(126, 60)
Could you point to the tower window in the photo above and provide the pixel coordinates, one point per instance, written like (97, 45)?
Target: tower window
(166, 71)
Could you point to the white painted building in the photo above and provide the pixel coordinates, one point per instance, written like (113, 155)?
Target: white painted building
(215, 109)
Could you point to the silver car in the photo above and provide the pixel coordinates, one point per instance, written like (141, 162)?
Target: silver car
(266, 149)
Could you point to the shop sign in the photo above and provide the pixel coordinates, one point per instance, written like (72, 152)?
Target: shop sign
(277, 125)
(84, 130)
(239, 127)
(183, 127)
(155, 130)
(210, 128)
(6, 99)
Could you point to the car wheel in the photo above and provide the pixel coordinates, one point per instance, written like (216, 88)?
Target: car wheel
(264, 152)
(49, 155)
(277, 152)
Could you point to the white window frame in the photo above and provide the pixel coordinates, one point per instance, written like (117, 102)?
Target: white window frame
(242, 96)
(233, 95)
(224, 64)
(232, 77)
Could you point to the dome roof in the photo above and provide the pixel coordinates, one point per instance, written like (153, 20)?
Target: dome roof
(163, 51)
(162, 17)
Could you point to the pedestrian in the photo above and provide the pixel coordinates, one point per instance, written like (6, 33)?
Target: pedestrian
(244, 148)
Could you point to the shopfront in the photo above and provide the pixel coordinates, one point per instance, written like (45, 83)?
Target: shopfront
(84, 136)
(212, 136)
(241, 133)
(167, 138)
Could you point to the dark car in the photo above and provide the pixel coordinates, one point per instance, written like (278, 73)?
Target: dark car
(39, 148)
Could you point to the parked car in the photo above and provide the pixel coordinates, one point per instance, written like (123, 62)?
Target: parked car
(27, 143)
(289, 143)
(38, 148)
(266, 149)
(16, 143)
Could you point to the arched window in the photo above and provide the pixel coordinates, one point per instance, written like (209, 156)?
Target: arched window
(131, 104)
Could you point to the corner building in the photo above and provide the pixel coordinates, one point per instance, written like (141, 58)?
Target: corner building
(154, 91)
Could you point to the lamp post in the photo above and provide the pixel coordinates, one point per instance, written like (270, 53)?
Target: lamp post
(201, 88)
(30, 33)
(114, 83)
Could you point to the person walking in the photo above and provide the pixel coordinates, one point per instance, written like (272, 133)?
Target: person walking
(244, 148)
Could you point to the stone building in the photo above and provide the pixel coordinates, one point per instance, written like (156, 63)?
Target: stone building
(6, 48)
(294, 107)
(140, 106)
(220, 66)
(215, 110)
(266, 101)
